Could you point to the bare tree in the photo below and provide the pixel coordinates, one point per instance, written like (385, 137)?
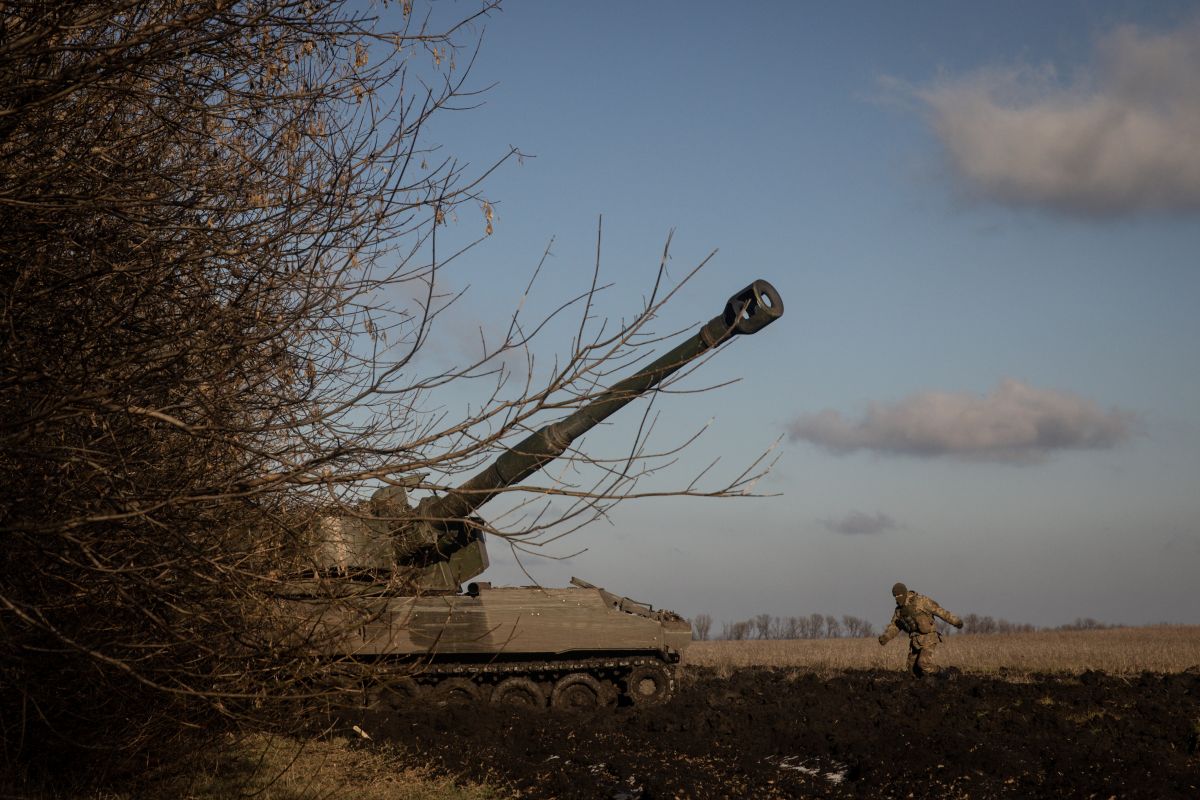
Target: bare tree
(736, 631)
(219, 261)
(702, 625)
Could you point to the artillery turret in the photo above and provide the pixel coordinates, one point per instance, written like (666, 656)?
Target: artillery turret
(581, 646)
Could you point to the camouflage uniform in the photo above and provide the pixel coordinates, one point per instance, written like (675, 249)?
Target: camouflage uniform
(914, 615)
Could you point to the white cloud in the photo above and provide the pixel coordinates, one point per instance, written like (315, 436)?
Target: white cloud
(1119, 138)
(858, 522)
(1016, 423)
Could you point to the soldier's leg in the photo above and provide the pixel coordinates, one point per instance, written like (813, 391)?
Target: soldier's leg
(926, 663)
(914, 652)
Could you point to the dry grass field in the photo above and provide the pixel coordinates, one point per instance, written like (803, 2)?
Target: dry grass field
(1119, 651)
(270, 768)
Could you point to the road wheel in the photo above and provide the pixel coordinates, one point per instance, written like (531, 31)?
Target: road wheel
(395, 695)
(518, 691)
(457, 691)
(578, 692)
(650, 684)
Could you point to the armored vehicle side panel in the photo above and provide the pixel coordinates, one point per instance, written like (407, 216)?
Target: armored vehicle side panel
(506, 623)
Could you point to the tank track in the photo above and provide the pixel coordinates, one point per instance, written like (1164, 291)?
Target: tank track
(593, 682)
(506, 668)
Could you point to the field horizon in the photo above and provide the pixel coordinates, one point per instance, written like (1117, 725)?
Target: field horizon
(1119, 651)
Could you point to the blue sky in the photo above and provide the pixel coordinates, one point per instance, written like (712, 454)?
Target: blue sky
(985, 224)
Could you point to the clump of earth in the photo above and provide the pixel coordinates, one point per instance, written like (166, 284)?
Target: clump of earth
(777, 733)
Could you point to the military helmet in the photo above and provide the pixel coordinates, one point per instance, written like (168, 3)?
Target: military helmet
(899, 590)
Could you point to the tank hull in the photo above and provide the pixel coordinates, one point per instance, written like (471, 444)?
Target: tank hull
(513, 621)
(578, 646)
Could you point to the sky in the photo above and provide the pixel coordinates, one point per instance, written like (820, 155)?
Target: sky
(984, 222)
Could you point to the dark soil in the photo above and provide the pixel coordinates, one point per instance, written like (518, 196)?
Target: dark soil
(767, 733)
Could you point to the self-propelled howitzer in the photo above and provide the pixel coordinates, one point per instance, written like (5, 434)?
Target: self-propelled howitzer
(580, 646)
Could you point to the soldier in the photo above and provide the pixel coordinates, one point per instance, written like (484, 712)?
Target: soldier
(914, 615)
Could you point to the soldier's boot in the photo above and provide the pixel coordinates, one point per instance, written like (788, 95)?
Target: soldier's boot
(945, 675)
(924, 672)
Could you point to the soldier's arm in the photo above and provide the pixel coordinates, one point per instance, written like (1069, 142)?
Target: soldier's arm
(891, 630)
(953, 619)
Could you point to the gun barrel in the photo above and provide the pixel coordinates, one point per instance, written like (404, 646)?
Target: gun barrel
(746, 312)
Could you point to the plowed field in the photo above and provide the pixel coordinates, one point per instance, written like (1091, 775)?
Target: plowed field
(770, 733)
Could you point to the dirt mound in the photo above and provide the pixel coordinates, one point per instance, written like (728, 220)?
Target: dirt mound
(774, 733)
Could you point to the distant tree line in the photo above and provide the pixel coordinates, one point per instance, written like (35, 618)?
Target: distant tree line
(765, 626)
(1088, 624)
(974, 623)
(828, 626)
